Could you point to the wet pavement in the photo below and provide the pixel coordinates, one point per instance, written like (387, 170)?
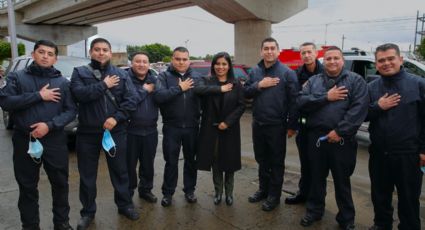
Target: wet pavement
(182, 215)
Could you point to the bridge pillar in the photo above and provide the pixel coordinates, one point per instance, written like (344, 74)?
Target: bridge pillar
(248, 37)
(63, 50)
(252, 20)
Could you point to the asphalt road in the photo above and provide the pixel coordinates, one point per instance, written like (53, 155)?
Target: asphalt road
(202, 215)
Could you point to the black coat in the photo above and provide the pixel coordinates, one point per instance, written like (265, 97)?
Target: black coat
(343, 116)
(21, 96)
(229, 140)
(94, 104)
(401, 129)
(178, 108)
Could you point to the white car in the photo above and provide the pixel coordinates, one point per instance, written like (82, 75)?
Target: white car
(365, 66)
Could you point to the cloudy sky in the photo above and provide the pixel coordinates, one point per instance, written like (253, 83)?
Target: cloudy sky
(364, 23)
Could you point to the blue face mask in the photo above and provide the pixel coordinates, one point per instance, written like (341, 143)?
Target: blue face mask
(108, 143)
(35, 149)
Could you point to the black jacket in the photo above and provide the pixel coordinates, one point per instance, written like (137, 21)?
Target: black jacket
(94, 105)
(178, 108)
(400, 129)
(274, 105)
(143, 120)
(303, 74)
(220, 107)
(21, 97)
(343, 116)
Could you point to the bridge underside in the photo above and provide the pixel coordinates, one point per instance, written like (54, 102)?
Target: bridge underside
(70, 21)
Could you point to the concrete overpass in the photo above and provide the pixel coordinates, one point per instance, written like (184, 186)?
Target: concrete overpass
(69, 21)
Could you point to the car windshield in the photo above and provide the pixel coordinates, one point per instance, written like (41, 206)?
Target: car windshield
(66, 64)
(204, 71)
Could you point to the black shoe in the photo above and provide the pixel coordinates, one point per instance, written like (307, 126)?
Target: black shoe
(166, 201)
(84, 222)
(148, 196)
(229, 200)
(257, 196)
(217, 199)
(295, 199)
(130, 213)
(308, 220)
(376, 227)
(348, 227)
(270, 203)
(31, 228)
(190, 197)
(63, 226)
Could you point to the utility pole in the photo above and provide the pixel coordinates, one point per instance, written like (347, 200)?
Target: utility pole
(343, 38)
(420, 32)
(12, 29)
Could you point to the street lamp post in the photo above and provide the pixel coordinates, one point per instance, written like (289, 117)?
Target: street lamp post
(12, 29)
(326, 29)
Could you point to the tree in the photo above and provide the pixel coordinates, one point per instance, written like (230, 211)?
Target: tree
(6, 52)
(156, 51)
(166, 59)
(421, 48)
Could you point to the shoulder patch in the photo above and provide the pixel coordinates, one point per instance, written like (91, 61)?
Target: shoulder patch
(3, 83)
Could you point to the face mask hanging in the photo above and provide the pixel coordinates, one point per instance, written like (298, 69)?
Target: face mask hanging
(108, 143)
(325, 138)
(35, 149)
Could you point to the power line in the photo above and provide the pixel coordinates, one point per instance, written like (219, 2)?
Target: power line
(381, 20)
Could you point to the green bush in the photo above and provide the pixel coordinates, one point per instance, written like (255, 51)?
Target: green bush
(5, 51)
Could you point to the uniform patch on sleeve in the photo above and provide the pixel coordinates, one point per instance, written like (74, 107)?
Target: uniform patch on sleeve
(3, 83)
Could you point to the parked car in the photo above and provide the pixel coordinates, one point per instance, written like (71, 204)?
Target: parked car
(365, 66)
(204, 69)
(66, 65)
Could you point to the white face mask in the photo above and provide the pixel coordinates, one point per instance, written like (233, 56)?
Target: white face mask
(35, 149)
(108, 143)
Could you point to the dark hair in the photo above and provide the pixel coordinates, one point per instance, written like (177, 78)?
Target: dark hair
(308, 44)
(387, 46)
(99, 40)
(181, 49)
(225, 55)
(330, 48)
(139, 53)
(269, 39)
(46, 43)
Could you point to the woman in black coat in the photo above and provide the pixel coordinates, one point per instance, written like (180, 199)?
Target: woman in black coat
(220, 139)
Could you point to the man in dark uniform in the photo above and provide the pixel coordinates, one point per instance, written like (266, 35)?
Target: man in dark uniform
(142, 136)
(41, 103)
(106, 96)
(335, 102)
(274, 88)
(180, 110)
(397, 134)
(311, 66)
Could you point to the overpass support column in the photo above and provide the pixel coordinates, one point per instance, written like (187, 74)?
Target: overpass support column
(248, 37)
(63, 50)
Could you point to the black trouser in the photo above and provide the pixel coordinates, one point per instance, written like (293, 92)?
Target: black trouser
(27, 174)
(270, 150)
(88, 151)
(141, 149)
(229, 177)
(302, 144)
(340, 159)
(174, 138)
(403, 172)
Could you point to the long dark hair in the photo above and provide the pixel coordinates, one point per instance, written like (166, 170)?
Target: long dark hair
(230, 73)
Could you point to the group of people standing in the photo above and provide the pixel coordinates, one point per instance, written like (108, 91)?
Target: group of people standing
(323, 105)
